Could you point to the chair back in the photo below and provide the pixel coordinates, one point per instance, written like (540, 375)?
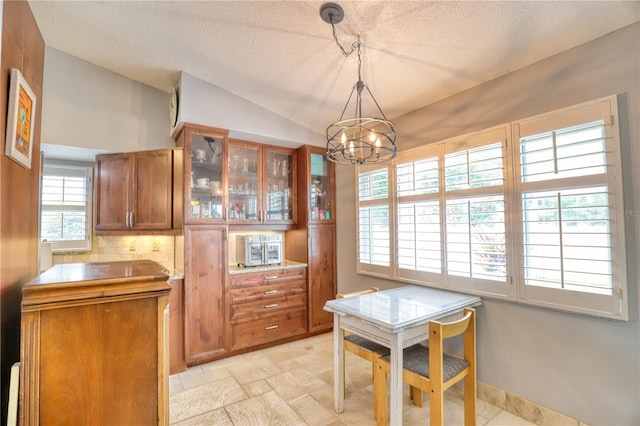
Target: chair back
(357, 293)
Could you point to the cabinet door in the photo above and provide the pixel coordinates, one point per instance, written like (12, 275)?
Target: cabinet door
(152, 190)
(205, 156)
(245, 189)
(112, 183)
(322, 275)
(280, 169)
(205, 263)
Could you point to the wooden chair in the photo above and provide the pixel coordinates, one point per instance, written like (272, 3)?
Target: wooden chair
(358, 345)
(433, 371)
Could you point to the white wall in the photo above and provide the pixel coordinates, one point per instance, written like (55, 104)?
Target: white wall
(583, 367)
(87, 106)
(204, 103)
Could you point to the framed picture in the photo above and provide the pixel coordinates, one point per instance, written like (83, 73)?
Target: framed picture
(21, 113)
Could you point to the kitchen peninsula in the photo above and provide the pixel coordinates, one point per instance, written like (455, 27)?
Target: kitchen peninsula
(94, 344)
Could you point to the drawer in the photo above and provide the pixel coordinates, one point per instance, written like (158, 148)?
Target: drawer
(266, 291)
(253, 333)
(261, 278)
(268, 305)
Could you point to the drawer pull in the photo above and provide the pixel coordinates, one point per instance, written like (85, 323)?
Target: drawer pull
(271, 327)
(271, 291)
(271, 277)
(273, 305)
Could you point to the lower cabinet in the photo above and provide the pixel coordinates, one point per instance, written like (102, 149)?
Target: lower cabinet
(93, 345)
(322, 275)
(267, 306)
(204, 296)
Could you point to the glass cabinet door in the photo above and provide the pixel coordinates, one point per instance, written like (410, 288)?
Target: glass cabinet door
(244, 185)
(320, 188)
(206, 177)
(279, 186)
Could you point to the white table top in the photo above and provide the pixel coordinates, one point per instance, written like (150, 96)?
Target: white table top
(399, 308)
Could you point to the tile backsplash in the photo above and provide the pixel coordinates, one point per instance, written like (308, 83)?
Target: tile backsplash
(159, 248)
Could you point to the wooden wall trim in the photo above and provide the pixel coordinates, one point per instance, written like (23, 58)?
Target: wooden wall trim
(23, 48)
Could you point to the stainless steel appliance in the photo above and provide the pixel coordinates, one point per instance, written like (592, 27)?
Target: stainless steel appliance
(256, 250)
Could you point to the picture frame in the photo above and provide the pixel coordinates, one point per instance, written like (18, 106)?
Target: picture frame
(21, 113)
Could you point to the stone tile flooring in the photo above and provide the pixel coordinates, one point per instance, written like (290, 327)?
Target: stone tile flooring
(292, 384)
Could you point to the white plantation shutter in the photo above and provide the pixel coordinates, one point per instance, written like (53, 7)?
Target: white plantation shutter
(375, 224)
(419, 229)
(572, 248)
(476, 243)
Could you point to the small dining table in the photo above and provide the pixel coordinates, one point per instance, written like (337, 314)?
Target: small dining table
(396, 319)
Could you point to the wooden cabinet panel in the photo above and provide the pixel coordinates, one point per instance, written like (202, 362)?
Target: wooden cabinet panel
(260, 278)
(112, 184)
(152, 190)
(176, 328)
(84, 347)
(205, 309)
(271, 328)
(322, 275)
(250, 294)
(267, 306)
(134, 191)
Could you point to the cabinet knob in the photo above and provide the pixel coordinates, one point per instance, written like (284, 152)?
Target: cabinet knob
(271, 291)
(271, 327)
(273, 305)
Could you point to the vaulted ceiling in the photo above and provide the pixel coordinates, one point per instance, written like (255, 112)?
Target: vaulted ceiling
(282, 56)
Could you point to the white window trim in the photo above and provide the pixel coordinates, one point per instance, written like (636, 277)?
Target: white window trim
(73, 245)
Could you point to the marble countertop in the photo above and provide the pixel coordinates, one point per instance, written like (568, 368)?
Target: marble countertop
(287, 264)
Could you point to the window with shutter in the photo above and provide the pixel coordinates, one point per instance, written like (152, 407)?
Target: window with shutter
(572, 250)
(65, 218)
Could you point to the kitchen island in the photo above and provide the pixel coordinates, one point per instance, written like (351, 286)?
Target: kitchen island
(94, 345)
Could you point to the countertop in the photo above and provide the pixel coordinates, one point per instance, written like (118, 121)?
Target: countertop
(287, 264)
(77, 281)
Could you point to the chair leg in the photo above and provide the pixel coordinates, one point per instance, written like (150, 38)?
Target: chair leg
(416, 395)
(436, 406)
(375, 400)
(380, 387)
(470, 401)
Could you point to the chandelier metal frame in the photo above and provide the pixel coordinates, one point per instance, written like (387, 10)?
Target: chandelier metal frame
(358, 140)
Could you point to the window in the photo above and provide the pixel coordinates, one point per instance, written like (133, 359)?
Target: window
(572, 253)
(536, 221)
(66, 206)
(375, 223)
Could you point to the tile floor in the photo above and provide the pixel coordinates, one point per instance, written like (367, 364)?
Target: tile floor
(292, 384)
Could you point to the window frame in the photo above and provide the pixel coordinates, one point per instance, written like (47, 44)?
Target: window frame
(614, 306)
(72, 168)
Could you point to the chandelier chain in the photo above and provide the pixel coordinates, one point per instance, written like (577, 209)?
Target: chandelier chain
(355, 45)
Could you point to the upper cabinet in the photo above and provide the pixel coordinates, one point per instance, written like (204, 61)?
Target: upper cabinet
(205, 153)
(261, 184)
(316, 180)
(135, 191)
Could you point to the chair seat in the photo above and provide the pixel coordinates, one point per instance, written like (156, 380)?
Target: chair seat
(416, 359)
(367, 344)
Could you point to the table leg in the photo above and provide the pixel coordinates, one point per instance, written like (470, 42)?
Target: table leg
(338, 364)
(395, 380)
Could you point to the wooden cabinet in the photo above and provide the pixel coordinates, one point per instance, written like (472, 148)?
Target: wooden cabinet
(314, 242)
(322, 278)
(135, 191)
(267, 306)
(205, 173)
(205, 269)
(94, 345)
(261, 186)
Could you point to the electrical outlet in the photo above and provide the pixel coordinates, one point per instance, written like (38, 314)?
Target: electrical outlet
(155, 245)
(132, 244)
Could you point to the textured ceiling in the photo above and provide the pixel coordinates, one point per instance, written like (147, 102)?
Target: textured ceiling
(282, 56)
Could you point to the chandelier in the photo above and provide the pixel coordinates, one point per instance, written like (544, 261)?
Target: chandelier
(357, 140)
